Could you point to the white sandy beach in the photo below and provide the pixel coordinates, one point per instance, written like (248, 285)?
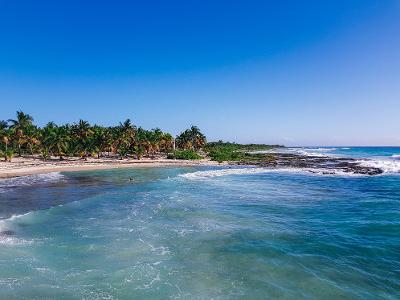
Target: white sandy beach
(21, 166)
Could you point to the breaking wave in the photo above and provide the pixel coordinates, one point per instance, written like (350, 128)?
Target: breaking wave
(12, 183)
(386, 165)
(250, 171)
(319, 152)
(7, 234)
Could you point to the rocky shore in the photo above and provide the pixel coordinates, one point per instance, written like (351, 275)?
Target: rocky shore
(317, 164)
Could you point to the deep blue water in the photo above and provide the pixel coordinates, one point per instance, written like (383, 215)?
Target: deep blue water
(200, 233)
(357, 152)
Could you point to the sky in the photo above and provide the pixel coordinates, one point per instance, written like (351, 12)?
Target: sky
(286, 72)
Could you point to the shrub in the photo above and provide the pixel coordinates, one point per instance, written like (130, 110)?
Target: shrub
(222, 154)
(8, 155)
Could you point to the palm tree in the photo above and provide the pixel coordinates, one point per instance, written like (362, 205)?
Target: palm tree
(82, 132)
(101, 140)
(47, 134)
(125, 135)
(166, 143)
(4, 134)
(83, 139)
(59, 141)
(198, 139)
(32, 137)
(191, 139)
(18, 128)
(141, 143)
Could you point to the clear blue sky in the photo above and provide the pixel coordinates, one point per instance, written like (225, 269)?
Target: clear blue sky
(291, 72)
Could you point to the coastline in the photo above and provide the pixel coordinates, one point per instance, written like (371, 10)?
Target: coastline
(29, 166)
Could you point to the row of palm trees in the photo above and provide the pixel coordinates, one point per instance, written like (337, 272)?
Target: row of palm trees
(21, 136)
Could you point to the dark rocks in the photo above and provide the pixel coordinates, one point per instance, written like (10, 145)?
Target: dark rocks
(314, 164)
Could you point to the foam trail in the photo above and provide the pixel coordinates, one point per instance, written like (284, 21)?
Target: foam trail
(10, 183)
(386, 165)
(223, 172)
(250, 171)
(8, 221)
(6, 225)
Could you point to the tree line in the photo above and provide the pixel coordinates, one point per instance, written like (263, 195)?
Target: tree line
(21, 136)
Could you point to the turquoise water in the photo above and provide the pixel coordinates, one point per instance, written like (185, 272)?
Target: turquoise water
(356, 152)
(200, 233)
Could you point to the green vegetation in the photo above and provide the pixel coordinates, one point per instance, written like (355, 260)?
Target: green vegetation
(191, 139)
(23, 137)
(224, 151)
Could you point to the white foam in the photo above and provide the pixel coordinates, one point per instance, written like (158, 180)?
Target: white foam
(13, 241)
(396, 156)
(321, 149)
(249, 171)
(386, 165)
(11, 183)
(6, 224)
(13, 217)
(223, 172)
(310, 153)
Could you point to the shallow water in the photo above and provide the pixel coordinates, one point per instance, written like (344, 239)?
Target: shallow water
(200, 233)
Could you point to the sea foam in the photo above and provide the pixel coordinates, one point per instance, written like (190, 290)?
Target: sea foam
(11, 240)
(386, 165)
(250, 171)
(11, 183)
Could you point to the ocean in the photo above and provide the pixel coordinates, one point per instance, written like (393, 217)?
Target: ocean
(204, 232)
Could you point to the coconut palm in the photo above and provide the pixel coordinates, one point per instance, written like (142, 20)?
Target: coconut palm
(82, 139)
(47, 134)
(18, 128)
(124, 138)
(32, 138)
(82, 131)
(197, 138)
(191, 139)
(59, 140)
(4, 134)
(166, 143)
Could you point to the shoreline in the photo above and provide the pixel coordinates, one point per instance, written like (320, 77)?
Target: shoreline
(29, 166)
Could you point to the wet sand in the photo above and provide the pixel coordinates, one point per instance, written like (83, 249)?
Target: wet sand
(28, 166)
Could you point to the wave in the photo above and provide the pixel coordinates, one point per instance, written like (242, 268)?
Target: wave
(321, 149)
(310, 153)
(4, 222)
(223, 172)
(11, 183)
(386, 165)
(250, 171)
(6, 226)
(396, 156)
(13, 241)
(319, 152)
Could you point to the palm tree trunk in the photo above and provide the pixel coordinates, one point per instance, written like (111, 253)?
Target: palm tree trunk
(31, 150)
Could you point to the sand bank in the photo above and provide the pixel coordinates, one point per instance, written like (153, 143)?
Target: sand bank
(28, 166)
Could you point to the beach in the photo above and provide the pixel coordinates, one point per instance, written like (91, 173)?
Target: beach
(193, 231)
(22, 166)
